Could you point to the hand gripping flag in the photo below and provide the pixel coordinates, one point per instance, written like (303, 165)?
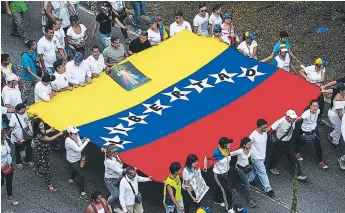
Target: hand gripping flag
(198, 91)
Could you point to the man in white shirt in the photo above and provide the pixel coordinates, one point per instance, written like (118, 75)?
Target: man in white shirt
(258, 155)
(342, 159)
(129, 189)
(78, 69)
(283, 60)
(11, 95)
(62, 81)
(46, 50)
(74, 147)
(96, 62)
(179, 24)
(44, 90)
(284, 128)
(200, 21)
(59, 39)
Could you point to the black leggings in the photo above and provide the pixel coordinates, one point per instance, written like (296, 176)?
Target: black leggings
(188, 202)
(317, 144)
(28, 151)
(77, 175)
(9, 178)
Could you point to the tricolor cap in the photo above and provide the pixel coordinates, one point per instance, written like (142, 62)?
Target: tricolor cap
(250, 35)
(321, 61)
(203, 210)
(283, 48)
(227, 15)
(12, 77)
(154, 19)
(217, 27)
(291, 113)
(72, 129)
(78, 57)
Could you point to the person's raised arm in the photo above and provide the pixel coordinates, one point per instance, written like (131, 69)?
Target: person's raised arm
(50, 139)
(94, 30)
(268, 58)
(293, 68)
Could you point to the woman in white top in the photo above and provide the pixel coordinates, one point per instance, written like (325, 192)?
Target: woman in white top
(154, 35)
(228, 30)
(248, 46)
(98, 204)
(336, 113)
(6, 162)
(217, 33)
(113, 172)
(243, 168)
(215, 17)
(77, 35)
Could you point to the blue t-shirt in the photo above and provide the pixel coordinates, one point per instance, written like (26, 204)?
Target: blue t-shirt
(277, 46)
(28, 60)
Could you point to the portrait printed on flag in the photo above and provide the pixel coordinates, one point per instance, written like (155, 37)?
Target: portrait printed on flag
(128, 76)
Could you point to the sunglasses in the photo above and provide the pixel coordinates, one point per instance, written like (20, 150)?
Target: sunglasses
(176, 17)
(217, 31)
(203, 11)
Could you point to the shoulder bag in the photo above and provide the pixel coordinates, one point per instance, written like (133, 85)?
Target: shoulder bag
(7, 168)
(27, 133)
(38, 68)
(138, 197)
(273, 136)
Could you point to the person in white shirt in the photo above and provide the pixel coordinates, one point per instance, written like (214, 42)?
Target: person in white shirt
(11, 95)
(284, 128)
(74, 147)
(258, 155)
(58, 9)
(217, 33)
(96, 62)
(129, 190)
(113, 171)
(46, 50)
(248, 46)
(228, 30)
(179, 24)
(243, 167)
(19, 121)
(200, 21)
(215, 17)
(341, 160)
(62, 81)
(44, 90)
(78, 70)
(283, 60)
(154, 35)
(309, 132)
(222, 193)
(77, 34)
(59, 39)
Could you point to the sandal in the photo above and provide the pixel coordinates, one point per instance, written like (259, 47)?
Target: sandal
(52, 188)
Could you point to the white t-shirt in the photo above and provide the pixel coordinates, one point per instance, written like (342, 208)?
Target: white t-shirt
(201, 23)
(259, 142)
(62, 80)
(60, 10)
(187, 175)
(154, 37)
(5, 70)
(313, 75)
(47, 49)
(343, 126)
(59, 39)
(74, 149)
(14, 123)
(11, 96)
(175, 28)
(247, 50)
(243, 159)
(215, 20)
(309, 120)
(336, 106)
(78, 73)
(96, 65)
(42, 92)
(5, 154)
(77, 37)
(281, 126)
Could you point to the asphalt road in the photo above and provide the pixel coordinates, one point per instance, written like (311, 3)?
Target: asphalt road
(323, 193)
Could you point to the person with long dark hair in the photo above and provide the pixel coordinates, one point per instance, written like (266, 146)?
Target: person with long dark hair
(98, 204)
(41, 141)
(336, 113)
(243, 167)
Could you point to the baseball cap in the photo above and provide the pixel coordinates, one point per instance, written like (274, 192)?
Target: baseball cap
(291, 113)
(12, 77)
(283, 48)
(225, 140)
(321, 61)
(46, 78)
(72, 129)
(153, 19)
(112, 149)
(78, 57)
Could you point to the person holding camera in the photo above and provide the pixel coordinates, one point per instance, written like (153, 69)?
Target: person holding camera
(130, 197)
(74, 147)
(41, 141)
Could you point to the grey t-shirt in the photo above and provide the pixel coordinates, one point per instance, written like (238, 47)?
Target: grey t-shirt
(114, 55)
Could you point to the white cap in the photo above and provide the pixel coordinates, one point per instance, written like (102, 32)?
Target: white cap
(72, 129)
(12, 77)
(283, 48)
(291, 113)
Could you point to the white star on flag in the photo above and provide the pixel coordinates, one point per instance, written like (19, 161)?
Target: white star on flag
(177, 94)
(199, 85)
(115, 141)
(223, 74)
(250, 73)
(118, 129)
(134, 119)
(156, 105)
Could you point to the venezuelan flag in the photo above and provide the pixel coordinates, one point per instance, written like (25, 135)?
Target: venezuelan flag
(200, 90)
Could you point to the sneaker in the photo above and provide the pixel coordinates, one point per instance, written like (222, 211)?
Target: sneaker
(128, 41)
(138, 31)
(83, 196)
(299, 156)
(253, 183)
(252, 204)
(231, 211)
(52, 188)
(117, 210)
(12, 202)
(221, 204)
(31, 164)
(302, 178)
(270, 193)
(274, 171)
(323, 165)
(70, 180)
(342, 163)
(19, 166)
(15, 34)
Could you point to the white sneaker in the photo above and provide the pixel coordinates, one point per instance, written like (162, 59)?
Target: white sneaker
(342, 163)
(231, 211)
(221, 204)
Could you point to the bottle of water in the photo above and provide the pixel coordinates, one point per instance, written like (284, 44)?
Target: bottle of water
(322, 30)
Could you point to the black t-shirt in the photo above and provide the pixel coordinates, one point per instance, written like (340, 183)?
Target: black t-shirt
(105, 22)
(341, 80)
(136, 46)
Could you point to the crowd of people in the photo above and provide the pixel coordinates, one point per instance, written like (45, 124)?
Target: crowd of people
(57, 62)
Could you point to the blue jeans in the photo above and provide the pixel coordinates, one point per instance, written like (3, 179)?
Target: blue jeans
(111, 184)
(102, 40)
(139, 8)
(169, 209)
(260, 171)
